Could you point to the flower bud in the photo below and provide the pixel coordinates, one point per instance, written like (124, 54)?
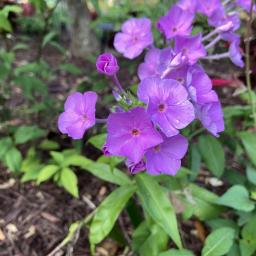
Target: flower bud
(107, 64)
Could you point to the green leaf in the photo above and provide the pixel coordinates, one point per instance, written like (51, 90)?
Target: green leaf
(26, 133)
(11, 8)
(104, 172)
(149, 239)
(31, 166)
(249, 142)
(213, 154)
(201, 203)
(247, 248)
(48, 37)
(71, 68)
(20, 46)
(5, 23)
(251, 174)
(248, 231)
(174, 252)
(46, 173)
(5, 144)
(58, 157)
(219, 242)
(13, 159)
(49, 145)
(69, 181)
(237, 197)
(108, 212)
(98, 140)
(234, 251)
(158, 206)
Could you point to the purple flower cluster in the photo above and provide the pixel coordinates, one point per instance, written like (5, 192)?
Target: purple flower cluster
(173, 91)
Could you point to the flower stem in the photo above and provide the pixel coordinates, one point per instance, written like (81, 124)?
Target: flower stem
(217, 56)
(101, 120)
(213, 42)
(118, 85)
(248, 65)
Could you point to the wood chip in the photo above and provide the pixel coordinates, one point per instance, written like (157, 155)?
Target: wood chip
(8, 184)
(31, 232)
(49, 217)
(2, 236)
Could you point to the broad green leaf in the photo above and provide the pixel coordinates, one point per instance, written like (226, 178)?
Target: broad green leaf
(237, 197)
(13, 159)
(104, 172)
(71, 68)
(220, 223)
(5, 144)
(20, 46)
(158, 206)
(69, 181)
(247, 248)
(58, 157)
(108, 212)
(49, 145)
(248, 231)
(213, 154)
(31, 166)
(26, 133)
(11, 8)
(149, 239)
(47, 172)
(249, 142)
(234, 250)
(77, 160)
(201, 203)
(98, 140)
(48, 37)
(251, 174)
(219, 242)
(174, 252)
(5, 23)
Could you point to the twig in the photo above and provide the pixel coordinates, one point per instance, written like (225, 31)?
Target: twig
(247, 63)
(74, 235)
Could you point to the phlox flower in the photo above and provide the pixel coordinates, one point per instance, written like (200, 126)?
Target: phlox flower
(130, 134)
(191, 48)
(165, 158)
(176, 22)
(167, 104)
(134, 37)
(79, 114)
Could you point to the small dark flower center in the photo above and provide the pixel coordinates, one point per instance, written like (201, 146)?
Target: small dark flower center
(174, 30)
(180, 79)
(135, 132)
(157, 148)
(161, 107)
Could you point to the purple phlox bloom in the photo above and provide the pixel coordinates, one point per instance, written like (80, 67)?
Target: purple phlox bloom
(224, 22)
(134, 37)
(167, 104)
(107, 64)
(105, 150)
(207, 7)
(169, 61)
(246, 5)
(235, 53)
(131, 133)
(191, 48)
(211, 117)
(176, 22)
(188, 5)
(135, 168)
(79, 114)
(179, 74)
(150, 65)
(166, 157)
(230, 37)
(199, 86)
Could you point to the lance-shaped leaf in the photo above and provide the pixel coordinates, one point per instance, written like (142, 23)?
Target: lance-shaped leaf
(155, 201)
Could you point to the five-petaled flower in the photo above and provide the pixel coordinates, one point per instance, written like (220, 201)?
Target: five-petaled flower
(79, 114)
